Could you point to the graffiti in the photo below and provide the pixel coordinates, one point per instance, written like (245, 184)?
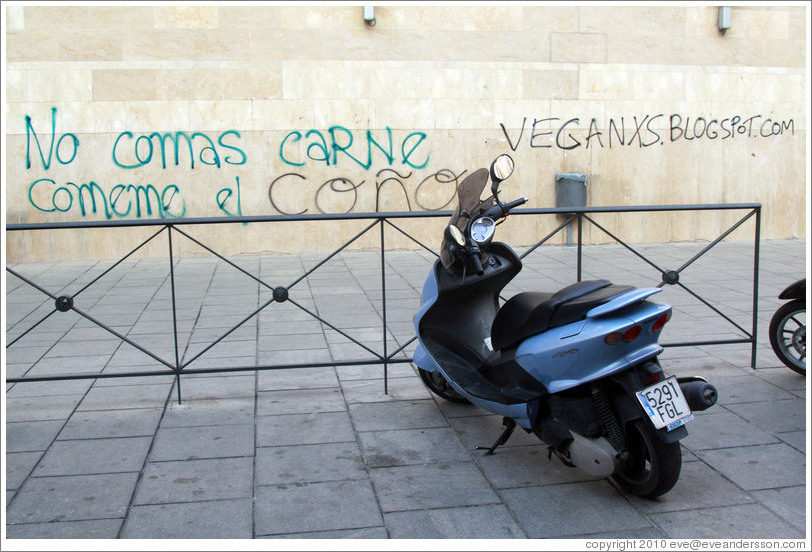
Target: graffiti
(90, 198)
(399, 183)
(224, 198)
(323, 150)
(30, 132)
(344, 192)
(141, 150)
(442, 179)
(727, 128)
(131, 152)
(642, 132)
(397, 180)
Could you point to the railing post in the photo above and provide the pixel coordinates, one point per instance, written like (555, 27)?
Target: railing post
(580, 245)
(174, 309)
(383, 301)
(756, 255)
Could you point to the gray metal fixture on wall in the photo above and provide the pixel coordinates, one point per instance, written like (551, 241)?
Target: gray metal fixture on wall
(369, 15)
(725, 18)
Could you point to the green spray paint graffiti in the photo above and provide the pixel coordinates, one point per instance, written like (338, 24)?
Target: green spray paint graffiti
(29, 131)
(326, 151)
(129, 152)
(165, 151)
(142, 150)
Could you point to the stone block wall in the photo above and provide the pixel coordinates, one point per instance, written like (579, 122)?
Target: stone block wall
(142, 112)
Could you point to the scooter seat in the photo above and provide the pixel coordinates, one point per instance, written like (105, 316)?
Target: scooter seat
(530, 313)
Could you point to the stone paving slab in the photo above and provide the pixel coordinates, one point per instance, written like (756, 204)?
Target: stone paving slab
(758, 467)
(748, 521)
(313, 507)
(192, 443)
(428, 486)
(74, 498)
(212, 519)
(301, 464)
(490, 521)
(195, 480)
(93, 456)
(561, 519)
(325, 453)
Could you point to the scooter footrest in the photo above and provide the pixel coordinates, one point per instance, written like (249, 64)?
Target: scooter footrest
(516, 391)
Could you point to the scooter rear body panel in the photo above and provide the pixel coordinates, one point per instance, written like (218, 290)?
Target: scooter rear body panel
(569, 356)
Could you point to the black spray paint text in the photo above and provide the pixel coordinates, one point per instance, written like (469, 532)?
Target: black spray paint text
(643, 132)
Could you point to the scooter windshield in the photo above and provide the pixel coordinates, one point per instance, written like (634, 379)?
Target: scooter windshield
(469, 205)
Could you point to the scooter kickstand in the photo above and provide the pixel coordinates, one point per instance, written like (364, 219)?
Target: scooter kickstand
(510, 425)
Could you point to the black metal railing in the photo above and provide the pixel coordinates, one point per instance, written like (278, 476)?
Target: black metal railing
(281, 294)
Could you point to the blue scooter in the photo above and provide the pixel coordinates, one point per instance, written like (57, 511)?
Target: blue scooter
(577, 367)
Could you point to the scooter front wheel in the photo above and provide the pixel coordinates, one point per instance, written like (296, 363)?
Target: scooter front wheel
(654, 466)
(439, 386)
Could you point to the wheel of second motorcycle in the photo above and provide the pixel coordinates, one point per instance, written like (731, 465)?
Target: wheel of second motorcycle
(788, 335)
(439, 386)
(654, 466)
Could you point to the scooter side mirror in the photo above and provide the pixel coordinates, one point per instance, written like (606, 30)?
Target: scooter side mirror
(454, 234)
(501, 169)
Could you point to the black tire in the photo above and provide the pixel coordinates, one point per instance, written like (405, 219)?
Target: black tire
(439, 386)
(654, 466)
(788, 335)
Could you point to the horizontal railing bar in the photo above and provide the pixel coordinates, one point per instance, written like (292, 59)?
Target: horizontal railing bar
(216, 370)
(714, 342)
(367, 215)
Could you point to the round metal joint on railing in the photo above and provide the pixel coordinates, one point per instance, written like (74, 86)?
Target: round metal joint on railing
(280, 294)
(670, 277)
(64, 303)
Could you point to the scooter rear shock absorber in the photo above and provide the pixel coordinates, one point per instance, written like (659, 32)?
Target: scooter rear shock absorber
(611, 426)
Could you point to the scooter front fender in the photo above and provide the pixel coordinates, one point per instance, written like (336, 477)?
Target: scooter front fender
(796, 290)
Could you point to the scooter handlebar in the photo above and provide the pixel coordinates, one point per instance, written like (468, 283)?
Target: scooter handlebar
(514, 204)
(501, 210)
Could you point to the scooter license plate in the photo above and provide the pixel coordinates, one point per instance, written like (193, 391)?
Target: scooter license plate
(665, 404)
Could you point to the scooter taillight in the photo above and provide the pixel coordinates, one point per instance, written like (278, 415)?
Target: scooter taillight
(658, 325)
(629, 335)
(653, 378)
(632, 333)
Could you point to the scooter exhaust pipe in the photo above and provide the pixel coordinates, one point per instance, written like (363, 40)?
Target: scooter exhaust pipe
(699, 394)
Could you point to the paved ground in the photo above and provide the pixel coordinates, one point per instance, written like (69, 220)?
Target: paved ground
(324, 453)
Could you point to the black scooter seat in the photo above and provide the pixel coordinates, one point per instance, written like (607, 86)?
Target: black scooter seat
(530, 313)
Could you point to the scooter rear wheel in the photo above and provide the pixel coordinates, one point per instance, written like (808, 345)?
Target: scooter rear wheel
(654, 466)
(439, 386)
(788, 335)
